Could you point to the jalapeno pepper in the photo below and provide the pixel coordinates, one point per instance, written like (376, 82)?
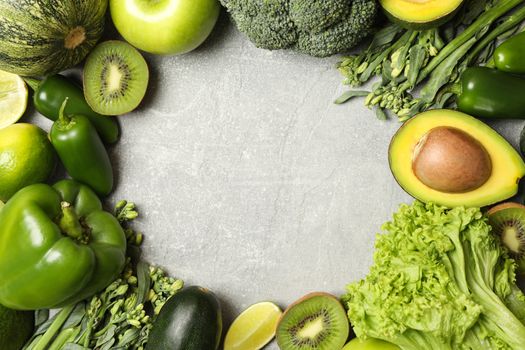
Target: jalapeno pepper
(51, 92)
(510, 56)
(82, 152)
(490, 93)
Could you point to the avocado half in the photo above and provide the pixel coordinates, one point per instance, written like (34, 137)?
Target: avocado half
(507, 165)
(421, 14)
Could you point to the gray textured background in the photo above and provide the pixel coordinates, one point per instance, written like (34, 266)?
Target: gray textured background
(249, 180)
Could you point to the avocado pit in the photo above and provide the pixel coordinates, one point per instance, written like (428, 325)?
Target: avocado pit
(449, 160)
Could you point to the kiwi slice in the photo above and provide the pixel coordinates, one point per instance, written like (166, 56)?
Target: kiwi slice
(315, 322)
(115, 78)
(508, 222)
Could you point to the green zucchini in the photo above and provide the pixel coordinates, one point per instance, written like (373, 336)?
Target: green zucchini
(40, 37)
(16, 327)
(190, 320)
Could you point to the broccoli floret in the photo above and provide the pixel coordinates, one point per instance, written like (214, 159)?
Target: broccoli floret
(317, 27)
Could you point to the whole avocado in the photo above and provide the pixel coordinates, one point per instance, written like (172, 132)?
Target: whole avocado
(16, 327)
(190, 320)
(316, 27)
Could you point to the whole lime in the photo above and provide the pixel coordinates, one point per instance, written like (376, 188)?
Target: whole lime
(16, 327)
(26, 157)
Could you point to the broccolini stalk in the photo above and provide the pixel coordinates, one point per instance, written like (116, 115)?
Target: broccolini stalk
(440, 280)
(426, 60)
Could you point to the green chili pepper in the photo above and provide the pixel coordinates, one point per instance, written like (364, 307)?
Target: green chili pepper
(490, 93)
(510, 56)
(82, 152)
(53, 90)
(57, 246)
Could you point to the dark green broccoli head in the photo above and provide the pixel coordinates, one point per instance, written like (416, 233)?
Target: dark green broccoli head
(316, 27)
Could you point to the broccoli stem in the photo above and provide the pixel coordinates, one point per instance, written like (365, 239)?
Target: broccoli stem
(486, 19)
(60, 318)
(510, 23)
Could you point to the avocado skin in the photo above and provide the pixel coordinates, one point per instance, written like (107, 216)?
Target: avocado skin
(16, 327)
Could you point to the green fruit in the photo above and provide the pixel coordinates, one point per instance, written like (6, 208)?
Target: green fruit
(370, 344)
(421, 14)
(452, 159)
(317, 321)
(167, 27)
(40, 37)
(190, 320)
(508, 222)
(16, 327)
(115, 78)
(26, 157)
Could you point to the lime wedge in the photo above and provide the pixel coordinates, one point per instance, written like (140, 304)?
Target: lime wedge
(13, 98)
(254, 328)
(1, 204)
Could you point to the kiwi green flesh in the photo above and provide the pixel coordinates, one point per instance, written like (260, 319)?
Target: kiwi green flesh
(115, 78)
(509, 224)
(316, 323)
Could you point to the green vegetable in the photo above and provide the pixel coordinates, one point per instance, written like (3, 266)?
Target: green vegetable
(121, 316)
(316, 27)
(440, 280)
(51, 92)
(430, 60)
(489, 93)
(191, 320)
(510, 56)
(15, 328)
(40, 37)
(57, 246)
(82, 152)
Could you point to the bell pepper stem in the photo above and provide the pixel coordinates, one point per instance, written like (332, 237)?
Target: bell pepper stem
(51, 332)
(69, 223)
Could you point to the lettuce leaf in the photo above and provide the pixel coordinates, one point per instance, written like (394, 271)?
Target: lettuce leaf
(440, 280)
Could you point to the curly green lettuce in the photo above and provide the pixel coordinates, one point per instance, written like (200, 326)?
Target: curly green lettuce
(440, 280)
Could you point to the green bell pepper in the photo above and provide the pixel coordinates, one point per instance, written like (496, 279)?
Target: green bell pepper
(510, 56)
(51, 92)
(57, 246)
(490, 93)
(82, 152)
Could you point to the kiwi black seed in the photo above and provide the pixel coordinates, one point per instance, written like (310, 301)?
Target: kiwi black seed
(115, 78)
(508, 222)
(315, 322)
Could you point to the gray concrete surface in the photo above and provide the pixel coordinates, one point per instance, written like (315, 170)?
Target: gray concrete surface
(249, 180)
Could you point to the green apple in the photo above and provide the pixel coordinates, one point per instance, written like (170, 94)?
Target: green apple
(370, 344)
(166, 27)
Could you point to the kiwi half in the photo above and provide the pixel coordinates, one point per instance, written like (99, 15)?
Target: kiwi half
(315, 322)
(508, 222)
(115, 78)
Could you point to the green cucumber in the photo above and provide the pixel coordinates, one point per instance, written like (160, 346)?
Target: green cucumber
(190, 320)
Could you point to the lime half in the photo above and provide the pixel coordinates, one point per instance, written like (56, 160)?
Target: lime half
(13, 98)
(254, 328)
